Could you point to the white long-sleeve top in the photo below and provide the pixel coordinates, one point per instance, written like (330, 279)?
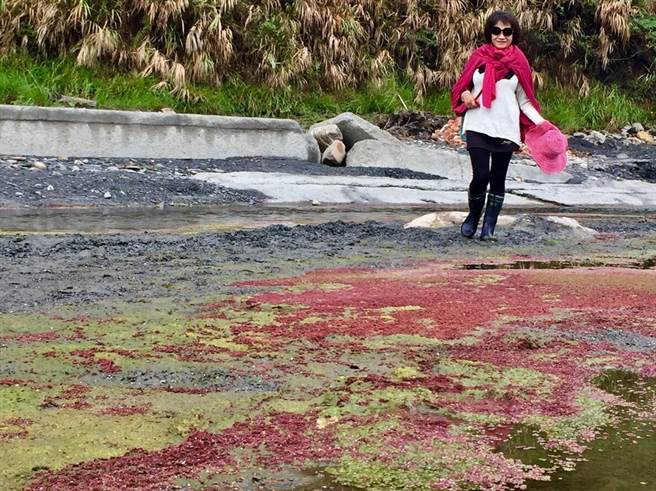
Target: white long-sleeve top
(501, 120)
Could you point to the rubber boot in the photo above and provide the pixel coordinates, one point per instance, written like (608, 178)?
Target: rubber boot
(492, 210)
(469, 226)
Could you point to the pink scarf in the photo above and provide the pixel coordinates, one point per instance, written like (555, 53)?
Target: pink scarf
(497, 64)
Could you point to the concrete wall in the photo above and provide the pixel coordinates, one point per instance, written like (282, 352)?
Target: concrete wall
(42, 131)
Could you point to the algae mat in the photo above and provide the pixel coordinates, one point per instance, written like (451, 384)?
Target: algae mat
(414, 377)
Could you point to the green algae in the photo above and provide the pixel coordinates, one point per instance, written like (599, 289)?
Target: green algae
(478, 375)
(66, 437)
(407, 373)
(368, 401)
(592, 414)
(396, 340)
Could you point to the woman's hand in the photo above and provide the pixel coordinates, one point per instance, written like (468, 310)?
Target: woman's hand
(468, 99)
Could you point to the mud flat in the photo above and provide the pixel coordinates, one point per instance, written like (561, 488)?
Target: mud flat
(329, 355)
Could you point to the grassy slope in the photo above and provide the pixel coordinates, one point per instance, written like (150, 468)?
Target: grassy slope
(26, 81)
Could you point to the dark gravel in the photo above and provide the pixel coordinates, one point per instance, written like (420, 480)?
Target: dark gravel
(191, 378)
(132, 182)
(41, 271)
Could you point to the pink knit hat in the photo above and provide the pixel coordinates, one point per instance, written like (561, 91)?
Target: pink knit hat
(548, 147)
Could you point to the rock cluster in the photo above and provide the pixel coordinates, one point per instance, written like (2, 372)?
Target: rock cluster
(343, 133)
(634, 134)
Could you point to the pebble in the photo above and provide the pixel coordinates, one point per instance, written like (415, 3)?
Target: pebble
(39, 165)
(107, 195)
(75, 168)
(19, 194)
(50, 187)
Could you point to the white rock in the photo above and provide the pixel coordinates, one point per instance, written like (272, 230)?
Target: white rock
(596, 137)
(50, 187)
(449, 219)
(326, 134)
(18, 194)
(570, 223)
(335, 154)
(107, 195)
(75, 168)
(39, 165)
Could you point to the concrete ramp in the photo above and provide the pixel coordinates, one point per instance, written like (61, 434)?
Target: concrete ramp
(43, 131)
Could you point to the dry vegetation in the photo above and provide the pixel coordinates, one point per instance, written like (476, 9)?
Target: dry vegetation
(332, 43)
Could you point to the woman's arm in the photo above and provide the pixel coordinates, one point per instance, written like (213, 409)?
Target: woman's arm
(526, 107)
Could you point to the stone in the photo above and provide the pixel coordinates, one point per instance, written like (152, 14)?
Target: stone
(637, 127)
(592, 192)
(50, 187)
(439, 162)
(443, 162)
(552, 227)
(47, 131)
(107, 195)
(449, 219)
(325, 135)
(335, 154)
(645, 136)
(355, 129)
(281, 187)
(596, 137)
(39, 165)
(77, 101)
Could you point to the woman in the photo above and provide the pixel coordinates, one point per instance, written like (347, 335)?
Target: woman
(496, 92)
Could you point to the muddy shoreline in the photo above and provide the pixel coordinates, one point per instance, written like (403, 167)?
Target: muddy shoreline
(46, 270)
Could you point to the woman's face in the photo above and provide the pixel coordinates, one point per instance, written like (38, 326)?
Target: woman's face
(502, 35)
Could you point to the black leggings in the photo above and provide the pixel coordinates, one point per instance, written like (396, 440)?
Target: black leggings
(482, 174)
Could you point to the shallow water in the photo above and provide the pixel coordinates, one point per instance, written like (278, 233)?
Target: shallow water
(556, 264)
(193, 219)
(232, 217)
(622, 459)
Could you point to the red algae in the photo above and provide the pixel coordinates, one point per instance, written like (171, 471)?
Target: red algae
(197, 352)
(125, 410)
(31, 337)
(284, 437)
(426, 357)
(89, 360)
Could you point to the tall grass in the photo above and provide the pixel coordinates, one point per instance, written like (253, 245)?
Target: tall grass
(335, 44)
(25, 80)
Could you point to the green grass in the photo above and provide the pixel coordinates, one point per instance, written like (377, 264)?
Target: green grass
(26, 81)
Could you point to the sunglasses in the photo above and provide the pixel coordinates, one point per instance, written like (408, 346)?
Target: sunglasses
(507, 31)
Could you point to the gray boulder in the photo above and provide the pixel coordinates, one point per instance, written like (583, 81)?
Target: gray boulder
(444, 163)
(355, 129)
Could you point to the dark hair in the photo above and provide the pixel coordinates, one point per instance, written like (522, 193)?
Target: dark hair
(503, 16)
